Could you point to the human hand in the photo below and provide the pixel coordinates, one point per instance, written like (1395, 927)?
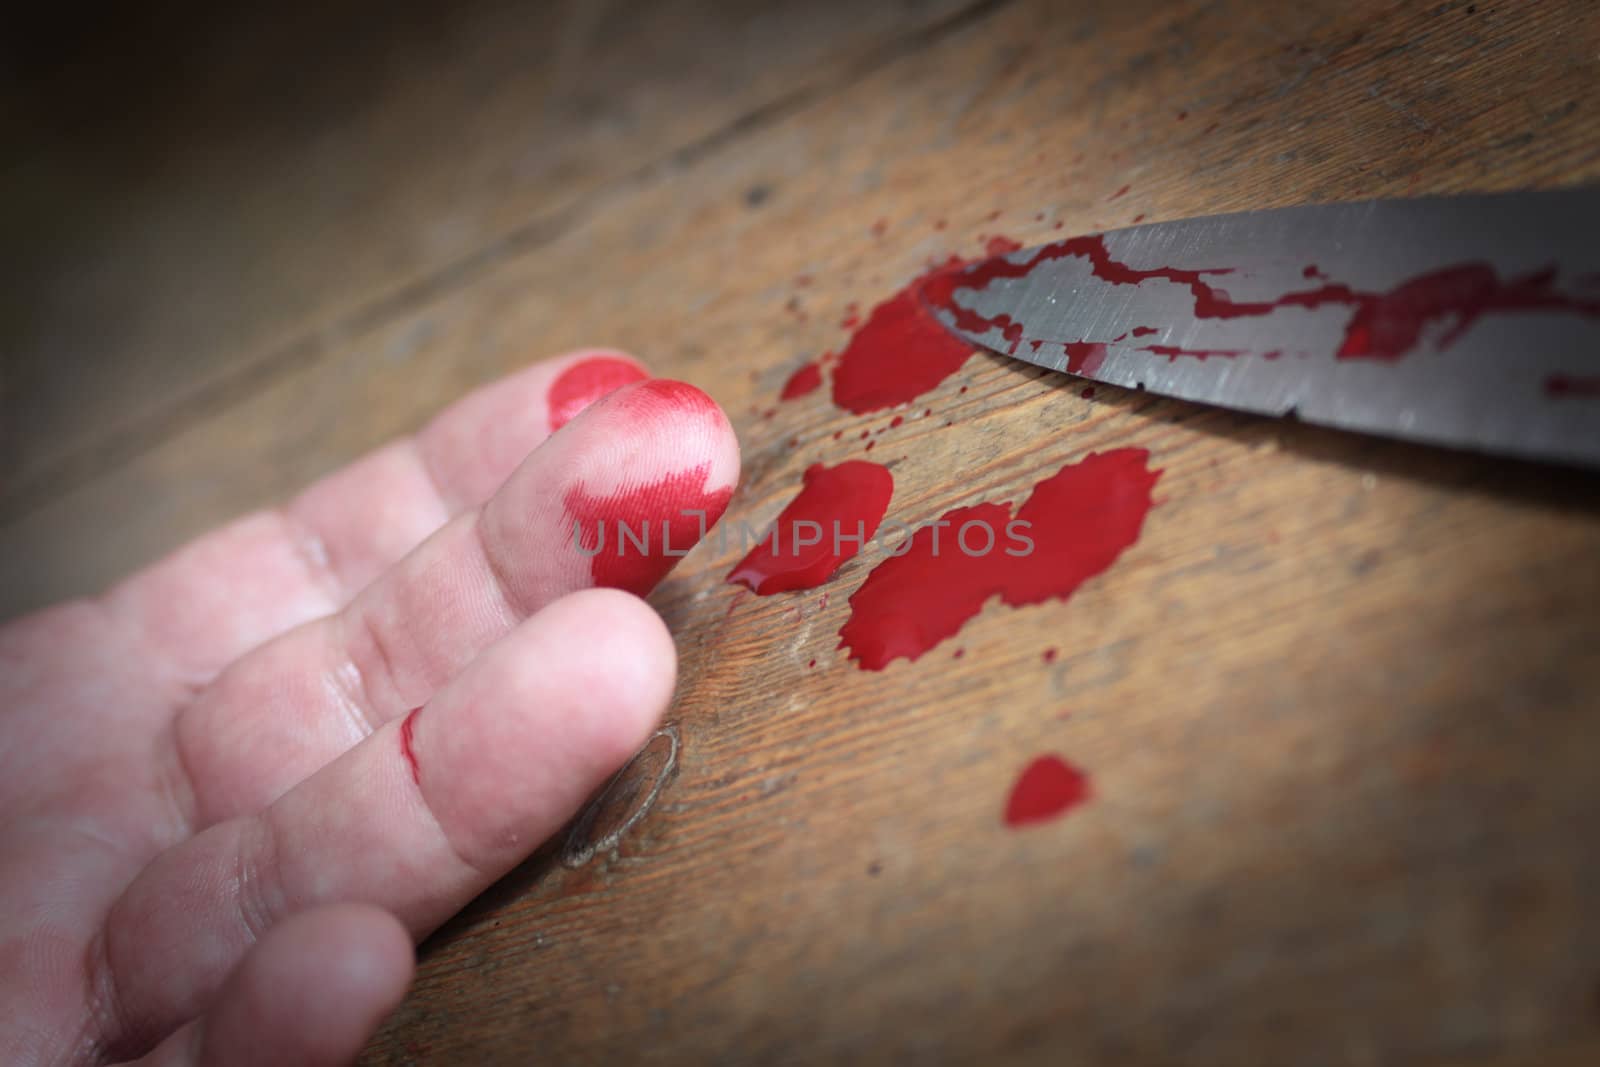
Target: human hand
(224, 825)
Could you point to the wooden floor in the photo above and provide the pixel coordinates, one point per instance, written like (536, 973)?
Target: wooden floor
(1340, 704)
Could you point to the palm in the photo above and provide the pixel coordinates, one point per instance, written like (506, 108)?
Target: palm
(222, 833)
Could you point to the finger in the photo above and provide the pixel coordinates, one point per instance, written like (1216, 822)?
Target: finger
(649, 453)
(310, 993)
(261, 575)
(416, 820)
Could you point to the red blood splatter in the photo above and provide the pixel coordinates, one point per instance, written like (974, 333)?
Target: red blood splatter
(1119, 193)
(407, 748)
(1138, 218)
(1144, 331)
(1058, 225)
(1001, 246)
(1210, 129)
(1050, 655)
(869, 446)
(659, 521)
(901, 351)
(767, 414)
(1172, 352)
(813, 663)
(838, 434)
(896, 421)
(1047, 788)
(958, 653)
(1312, 272)
(865, 434)
(1274, 354)
(1079, 521)
(991, 216)
(840, 506)
(587, 381)
(808, 379)
(1084, 357)
(1182, 115)
(1384, 326)
(926, 412)
(880, 227)
(1087, 393)
(939, 224)
(1571, 385)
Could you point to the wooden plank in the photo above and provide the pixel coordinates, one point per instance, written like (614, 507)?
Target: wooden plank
(1338, 704)
(342, 163)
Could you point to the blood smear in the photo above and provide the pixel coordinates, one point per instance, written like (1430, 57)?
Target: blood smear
(658, 515)
(408, 744)
(840, 506)
(1078, 522)
(1383, 325)
(1048, 788)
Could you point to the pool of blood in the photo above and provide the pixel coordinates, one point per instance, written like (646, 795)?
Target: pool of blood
(1079, 521)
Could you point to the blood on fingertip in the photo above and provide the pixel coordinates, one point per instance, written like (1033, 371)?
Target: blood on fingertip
(634, 535)
(587, 381)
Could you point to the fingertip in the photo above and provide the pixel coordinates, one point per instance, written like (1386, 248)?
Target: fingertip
(627, 662)
(313, 990)
(541, 720)
(689, 415)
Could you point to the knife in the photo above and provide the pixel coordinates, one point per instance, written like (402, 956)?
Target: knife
(1471, 321)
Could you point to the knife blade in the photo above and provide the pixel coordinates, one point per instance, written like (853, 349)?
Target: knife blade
(1470, 321)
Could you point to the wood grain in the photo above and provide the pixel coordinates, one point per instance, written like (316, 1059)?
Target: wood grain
(289, 177)
(1339, 704)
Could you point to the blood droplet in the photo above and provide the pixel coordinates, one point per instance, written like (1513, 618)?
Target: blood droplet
(805, 380)
(1048, 788)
